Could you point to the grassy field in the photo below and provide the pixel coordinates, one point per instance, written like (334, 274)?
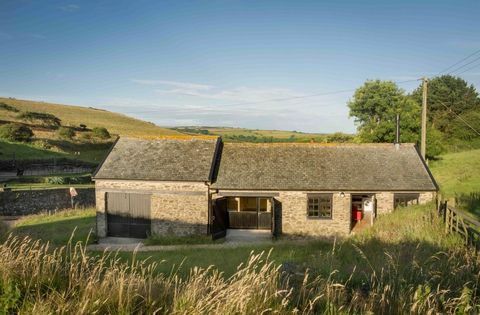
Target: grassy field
(458, 175)
(405, 263)
(75, 115)
(47, 144)
(256, 135)
(398, 233)
(58, 228)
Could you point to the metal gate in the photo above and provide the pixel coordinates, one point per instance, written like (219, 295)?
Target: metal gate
(128, 215)
(219, 218)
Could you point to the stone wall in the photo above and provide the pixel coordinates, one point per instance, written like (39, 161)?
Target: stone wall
(296, 222)
(24, 202)
(384, 202)
(426, 197)
(177, 208)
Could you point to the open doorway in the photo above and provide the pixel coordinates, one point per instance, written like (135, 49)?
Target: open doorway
(249, 213)
(363, 211)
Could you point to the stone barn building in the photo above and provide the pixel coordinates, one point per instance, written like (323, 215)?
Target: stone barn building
(205, 186)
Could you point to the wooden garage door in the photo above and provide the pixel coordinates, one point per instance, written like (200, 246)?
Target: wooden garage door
(128, 215)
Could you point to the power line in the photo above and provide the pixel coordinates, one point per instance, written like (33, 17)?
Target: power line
(469, 63)
(293, 97)
(471, 68)
(458, 62)
(463, 120)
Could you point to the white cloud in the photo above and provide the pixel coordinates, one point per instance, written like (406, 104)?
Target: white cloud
(70, 7)
(180, 85)
(175, 103)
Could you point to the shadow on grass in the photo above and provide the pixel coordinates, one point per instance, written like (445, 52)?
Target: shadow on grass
(469, 202)
(58, 232)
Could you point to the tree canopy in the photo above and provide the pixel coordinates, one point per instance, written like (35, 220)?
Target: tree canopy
(375, 106)
(446, 94)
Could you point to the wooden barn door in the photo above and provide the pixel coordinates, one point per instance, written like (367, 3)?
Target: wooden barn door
(128, 215)
(219, 218)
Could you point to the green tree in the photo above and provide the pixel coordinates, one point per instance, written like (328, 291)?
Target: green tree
(375, 106)
(16, 132)
(454, 93)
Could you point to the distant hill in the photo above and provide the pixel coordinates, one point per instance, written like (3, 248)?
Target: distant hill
(257, 135)
(118, 124)
(47, 143)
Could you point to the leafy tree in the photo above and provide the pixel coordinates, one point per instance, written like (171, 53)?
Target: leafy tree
(101, 132)
(16, 132)
(452, 92)
(375, 106)
(65, 133)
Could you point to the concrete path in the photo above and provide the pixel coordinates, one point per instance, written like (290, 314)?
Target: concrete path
(249, 236)
(234, 238)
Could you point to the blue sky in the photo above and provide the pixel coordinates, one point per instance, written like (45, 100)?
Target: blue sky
(208, 62)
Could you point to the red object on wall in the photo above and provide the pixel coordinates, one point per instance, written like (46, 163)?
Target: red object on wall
(356, 214)
(359, 215)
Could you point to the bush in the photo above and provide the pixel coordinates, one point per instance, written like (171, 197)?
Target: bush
(16, 132)
(101, 132)
(44, 118)
(65, 133)
(339, 137)
(8, 107)
(63, 180)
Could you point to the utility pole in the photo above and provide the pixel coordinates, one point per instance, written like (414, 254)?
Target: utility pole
(423, 142)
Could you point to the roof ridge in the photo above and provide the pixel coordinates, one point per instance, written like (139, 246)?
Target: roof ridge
(172, 138)
(318, 144)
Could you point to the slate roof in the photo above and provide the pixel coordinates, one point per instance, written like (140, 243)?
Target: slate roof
(159, 160)
(362, 167)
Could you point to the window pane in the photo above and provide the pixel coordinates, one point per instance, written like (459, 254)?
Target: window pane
(320, 206)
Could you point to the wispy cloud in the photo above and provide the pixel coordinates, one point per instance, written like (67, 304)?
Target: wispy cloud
(181, 85)
(205, 91)
(186, 103)
(70, 7)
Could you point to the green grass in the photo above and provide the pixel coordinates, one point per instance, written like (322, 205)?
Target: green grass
(9, 151)
(75, 115)
(408, 234)
(57, 228)
(230, 134)
(458, 175)
(47, 144)
(180, 240)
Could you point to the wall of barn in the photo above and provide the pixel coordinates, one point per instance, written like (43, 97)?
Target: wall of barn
(177, 208)
(296, 222)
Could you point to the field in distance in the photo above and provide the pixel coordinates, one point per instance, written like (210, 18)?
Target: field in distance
(258, 135)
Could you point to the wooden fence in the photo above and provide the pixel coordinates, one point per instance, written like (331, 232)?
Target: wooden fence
(461, 222)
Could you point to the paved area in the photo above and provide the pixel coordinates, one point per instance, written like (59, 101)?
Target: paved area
(234, 238)
(242, 236)
(9, 220)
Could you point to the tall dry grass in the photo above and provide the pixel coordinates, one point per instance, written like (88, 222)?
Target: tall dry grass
(37, 279)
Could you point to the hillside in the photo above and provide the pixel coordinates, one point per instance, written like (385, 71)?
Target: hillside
(83, 145)
(458, 175)
(116, 123)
